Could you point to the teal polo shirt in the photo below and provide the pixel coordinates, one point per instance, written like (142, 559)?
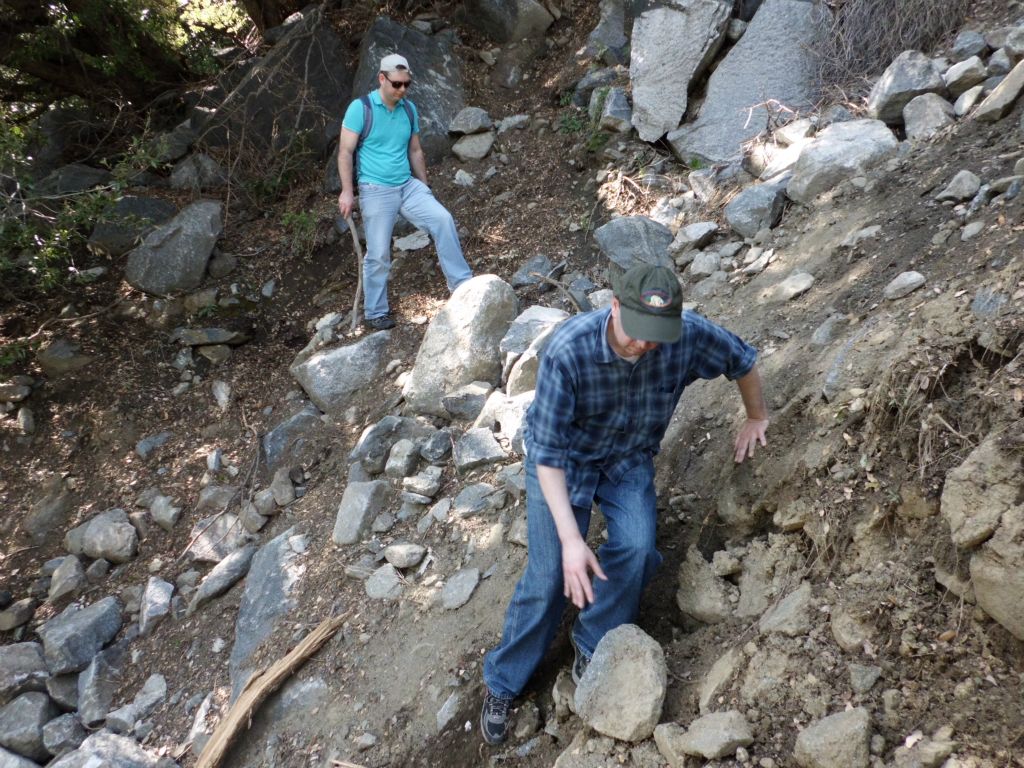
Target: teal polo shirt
(384, 154)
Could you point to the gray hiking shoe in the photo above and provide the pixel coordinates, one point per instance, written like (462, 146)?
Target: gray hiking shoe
(495, 718)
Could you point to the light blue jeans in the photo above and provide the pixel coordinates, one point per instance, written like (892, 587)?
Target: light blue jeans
(629, 559)
(380, 207)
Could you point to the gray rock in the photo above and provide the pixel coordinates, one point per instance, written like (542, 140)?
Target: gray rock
(360, 504)
(926, 115)
(459, 588)
(426, 483)
(715, 736)
(130, 219)
(61, 357)
(466, 402)
(198, 172)
(21, 724)
(332, 377)
(629, 240)
(17, 614)
(988, 303)
(903, 285)
(840, 151)
(978, 494)
(850, 629)
(281, 487)
(837, 741)
(216, 498)
(147, 445)
(705, 263)
(215, 537)
(156, 604)
(965, 75)
(470, 120)
(198, 337)
(616, 113)
(997, 570)
(274, 575)
(778, 45)
(475, 146)
(461, 343)
(968, 43)
(523, 277)
(404, 555)
(608, 39)
(22, 669)
(671, 47)
(530, 325)
(62, 734)
(477, 499)
(76, 634)
(385, 583)
(862, 678)
(793, 286)
(756, 208)
(402, 459)
(291, 441)
(48, 512)
(592, 81)
(173, 257)
(98, 684)
(109, 535)
(999, 63)
(251, 519)
(164, 513)
(702, 595)
(107, 749)
(623, 689)
(716, 679)
(71, 179)
(63, 689)
(153, 692)
(695, 235)
(791, 616)
(963, 186)
(972, 230)
(222, 577)
(911, 74)
(67, 579)
(476, 448)
(999, 103)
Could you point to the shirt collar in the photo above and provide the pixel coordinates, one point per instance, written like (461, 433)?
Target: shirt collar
(377, 99)
(605, 353)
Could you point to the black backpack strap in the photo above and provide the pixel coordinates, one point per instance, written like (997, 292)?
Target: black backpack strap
(408, 112)
(367, 118)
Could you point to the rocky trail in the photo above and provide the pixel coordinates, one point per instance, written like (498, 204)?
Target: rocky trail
(202, 462)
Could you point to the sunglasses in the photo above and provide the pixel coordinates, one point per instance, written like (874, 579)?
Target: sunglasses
(399, 85)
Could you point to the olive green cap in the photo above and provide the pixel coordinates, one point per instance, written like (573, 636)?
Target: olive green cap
(651, 303)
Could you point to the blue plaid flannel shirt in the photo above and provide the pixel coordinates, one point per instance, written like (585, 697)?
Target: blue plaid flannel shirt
(594, 413)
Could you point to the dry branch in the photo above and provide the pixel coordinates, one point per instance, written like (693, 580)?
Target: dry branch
(259, 687)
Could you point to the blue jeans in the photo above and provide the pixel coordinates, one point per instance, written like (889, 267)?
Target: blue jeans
(380, 207)
(629, 559)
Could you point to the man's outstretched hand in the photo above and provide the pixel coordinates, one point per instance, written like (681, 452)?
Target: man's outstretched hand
(751, 433)
(578, 560)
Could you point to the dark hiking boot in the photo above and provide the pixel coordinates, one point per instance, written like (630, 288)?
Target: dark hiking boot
(495, 718)
(382, 323)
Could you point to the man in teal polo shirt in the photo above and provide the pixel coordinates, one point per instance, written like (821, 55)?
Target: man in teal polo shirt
(392, 180)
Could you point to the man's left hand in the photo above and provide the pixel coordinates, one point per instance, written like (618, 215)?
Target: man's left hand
(751, 433)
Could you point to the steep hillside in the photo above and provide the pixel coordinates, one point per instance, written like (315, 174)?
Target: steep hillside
(867, 560)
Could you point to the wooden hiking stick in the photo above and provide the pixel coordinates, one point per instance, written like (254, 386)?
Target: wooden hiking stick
(359, 272)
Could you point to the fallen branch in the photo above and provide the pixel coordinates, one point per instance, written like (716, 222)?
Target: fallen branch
(259, 687)
(359, 272)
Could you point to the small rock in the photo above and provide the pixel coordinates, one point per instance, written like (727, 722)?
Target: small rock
(459, 588)
(903, 285)
(404, 554)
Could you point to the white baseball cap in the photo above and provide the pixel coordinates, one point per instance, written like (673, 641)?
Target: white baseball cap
(393, 62)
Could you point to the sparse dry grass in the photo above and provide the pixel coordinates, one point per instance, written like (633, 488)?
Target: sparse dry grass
(864, 36)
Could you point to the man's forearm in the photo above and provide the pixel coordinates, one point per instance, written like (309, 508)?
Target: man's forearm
(753, 395)
(418, 163)
(556, 494)
(345, 170)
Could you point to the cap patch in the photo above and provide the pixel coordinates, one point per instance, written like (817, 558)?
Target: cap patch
(655, 298)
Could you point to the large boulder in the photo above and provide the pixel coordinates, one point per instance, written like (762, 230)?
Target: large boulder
(22, 669)
(296, 90)
(773, 60)
(506, 21)
(840, 151)
(756, 208)
(998, 104)
(997, 572)
(623, 689)
(438, 91)
(109, 750)
(461, 344)
(332, 377)
(109, 535)
(672, 46)
(911, 74)
(22, 721)
(173, 257)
